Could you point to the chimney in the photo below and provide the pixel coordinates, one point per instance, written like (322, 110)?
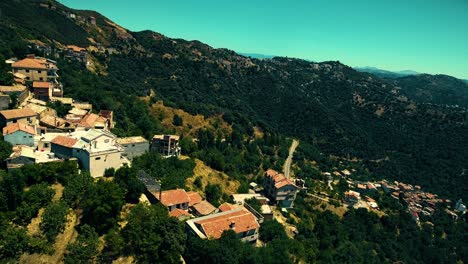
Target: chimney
(232, 225)
(31, 56)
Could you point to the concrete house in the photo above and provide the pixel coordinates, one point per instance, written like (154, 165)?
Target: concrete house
(133, 146)
(240, 220)
(95, 150)
(279, 189)
(20, 92)
(24, 116)
(19, 134)
(42, 90)
(36, 68)
(76, 52)
(175, 199)
(166, 145)
(93, 121)
(24, 155)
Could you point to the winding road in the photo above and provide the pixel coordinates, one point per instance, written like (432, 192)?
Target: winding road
(287, 163)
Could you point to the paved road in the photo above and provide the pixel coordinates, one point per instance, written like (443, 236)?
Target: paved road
(287, 164)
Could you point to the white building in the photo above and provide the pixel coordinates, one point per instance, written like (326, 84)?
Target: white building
(96, 150)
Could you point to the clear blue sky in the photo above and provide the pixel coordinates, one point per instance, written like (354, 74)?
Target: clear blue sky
(428, 36)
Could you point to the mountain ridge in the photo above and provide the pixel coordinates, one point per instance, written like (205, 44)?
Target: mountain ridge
(328, 104)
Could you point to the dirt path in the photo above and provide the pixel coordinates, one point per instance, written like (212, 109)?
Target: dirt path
(287, 163)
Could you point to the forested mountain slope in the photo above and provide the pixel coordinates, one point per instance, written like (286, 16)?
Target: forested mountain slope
(339, 110)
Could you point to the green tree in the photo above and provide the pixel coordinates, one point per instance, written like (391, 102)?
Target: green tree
(113, 248)
(177, 120)
(126, 178)
(271, 230)
(5, 152)
(152, 236)
(84, 249)
(6, 78)
(77, 189)
(13, 241)
(54, 220)
(102, 205)
(213, 193)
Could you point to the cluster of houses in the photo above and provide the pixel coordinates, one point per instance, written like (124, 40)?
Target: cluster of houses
(418, 201)
(38, 134)
(209, 222)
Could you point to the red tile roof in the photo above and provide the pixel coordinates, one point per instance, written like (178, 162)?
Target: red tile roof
(41, 85)
(226, 207)
(18, 113)
(64, 141)
(75, 48)
(194, 198)
(89, 120)
(279, 179)
(204, 208)
(178, 213)
(238, 220)
(30, 63)
(12, 128)
(173, 197)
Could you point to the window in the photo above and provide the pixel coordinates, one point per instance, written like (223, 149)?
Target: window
(133, 145)
(46, 145)
(41, 79)
(97, 158)
(106, 141)
(39, 72)
(27, 71)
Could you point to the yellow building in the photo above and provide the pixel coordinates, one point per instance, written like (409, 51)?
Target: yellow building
(36, 69)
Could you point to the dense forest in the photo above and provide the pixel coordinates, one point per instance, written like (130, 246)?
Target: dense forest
(150, 235)
(339, 110)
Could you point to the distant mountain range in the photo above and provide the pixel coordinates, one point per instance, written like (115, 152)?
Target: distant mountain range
(257, 55)
(385, 73)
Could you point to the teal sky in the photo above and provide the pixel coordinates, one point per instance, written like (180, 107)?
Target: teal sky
(428, 36)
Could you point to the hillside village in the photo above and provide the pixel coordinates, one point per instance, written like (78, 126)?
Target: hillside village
(206, 176)
(39, 134)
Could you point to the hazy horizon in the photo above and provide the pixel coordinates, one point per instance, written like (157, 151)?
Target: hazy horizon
(423, 36)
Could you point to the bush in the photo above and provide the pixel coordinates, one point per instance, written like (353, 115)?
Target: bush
(54, 220)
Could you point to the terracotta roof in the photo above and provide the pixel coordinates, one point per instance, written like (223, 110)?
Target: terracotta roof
(204, 208)
(173, 197)
(12, 128)
(279, 179)
(64, 141)
(194, 198)
(18, 113)
(239, 220)
(41, 85)
(89, 120)
(30, 63)
(106, 113)
(53, 121)
(226, 207)
(178, 213)
(75, 48)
